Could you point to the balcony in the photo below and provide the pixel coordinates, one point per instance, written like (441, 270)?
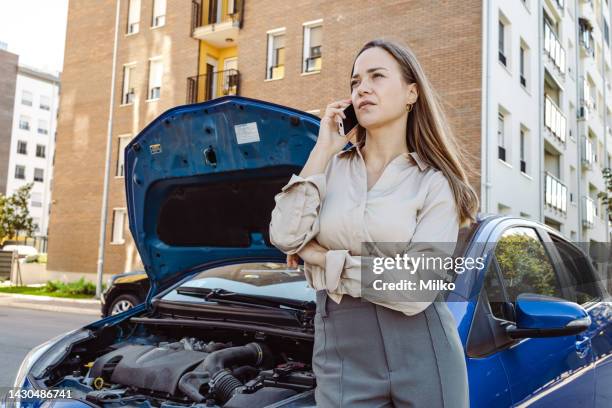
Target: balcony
(555, 193)
(553, 48)
(219, 30)
(589, 211)
(588, 154)
(554, 119)
(586, 40)
(205, 87)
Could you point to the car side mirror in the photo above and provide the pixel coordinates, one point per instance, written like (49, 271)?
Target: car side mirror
(547, 316)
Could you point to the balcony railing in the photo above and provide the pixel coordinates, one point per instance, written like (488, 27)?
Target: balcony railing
(554, 119)
(202, 88)
(589, 211)
(553, 47)
(588, 154)
(555, 192)
(197, 19)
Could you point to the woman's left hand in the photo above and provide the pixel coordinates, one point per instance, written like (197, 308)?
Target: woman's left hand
(313, 253)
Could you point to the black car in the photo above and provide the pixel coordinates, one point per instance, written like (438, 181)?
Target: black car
(124, 291)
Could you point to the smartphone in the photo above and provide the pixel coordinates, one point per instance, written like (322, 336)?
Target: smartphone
(346, 125)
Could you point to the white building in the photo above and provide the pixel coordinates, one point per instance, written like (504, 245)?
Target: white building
(33, 141)
(548, 116)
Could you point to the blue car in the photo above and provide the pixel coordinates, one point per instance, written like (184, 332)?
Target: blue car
(226, 323)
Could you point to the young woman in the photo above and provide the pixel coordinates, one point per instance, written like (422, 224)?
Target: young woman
(401, 181)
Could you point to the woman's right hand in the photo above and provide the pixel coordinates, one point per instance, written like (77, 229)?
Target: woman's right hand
(329, 139)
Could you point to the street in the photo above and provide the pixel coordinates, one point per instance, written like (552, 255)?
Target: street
(23, 329)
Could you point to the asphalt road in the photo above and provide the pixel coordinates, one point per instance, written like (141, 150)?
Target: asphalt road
(23, 329)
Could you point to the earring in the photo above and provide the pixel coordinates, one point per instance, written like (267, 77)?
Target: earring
(409, 107)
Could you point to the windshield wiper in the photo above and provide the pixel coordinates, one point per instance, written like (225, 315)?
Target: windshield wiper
(221, 295)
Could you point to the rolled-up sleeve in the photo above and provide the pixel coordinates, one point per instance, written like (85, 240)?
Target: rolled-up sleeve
(295, 218)
(436, 232)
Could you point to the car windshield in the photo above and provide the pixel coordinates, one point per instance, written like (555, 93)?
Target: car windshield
(271, 279)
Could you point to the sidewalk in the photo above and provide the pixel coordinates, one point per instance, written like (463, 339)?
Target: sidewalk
(52, 304)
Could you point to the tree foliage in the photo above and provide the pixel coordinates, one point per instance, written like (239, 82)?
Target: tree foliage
(15, 216)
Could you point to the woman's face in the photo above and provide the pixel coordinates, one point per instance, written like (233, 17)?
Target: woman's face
(384, 87)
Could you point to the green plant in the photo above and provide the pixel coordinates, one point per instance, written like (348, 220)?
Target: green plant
(80, 287)
(606, 196)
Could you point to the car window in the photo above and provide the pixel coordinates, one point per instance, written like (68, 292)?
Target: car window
(524, 266)
(582, 282)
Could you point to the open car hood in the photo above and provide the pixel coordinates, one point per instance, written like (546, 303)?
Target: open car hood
(201, 179)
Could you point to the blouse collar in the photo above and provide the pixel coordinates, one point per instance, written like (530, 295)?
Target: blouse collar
(414, 155)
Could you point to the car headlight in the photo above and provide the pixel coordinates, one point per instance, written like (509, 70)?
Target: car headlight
(48, 355)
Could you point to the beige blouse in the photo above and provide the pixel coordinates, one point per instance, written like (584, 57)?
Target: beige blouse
(410, 203)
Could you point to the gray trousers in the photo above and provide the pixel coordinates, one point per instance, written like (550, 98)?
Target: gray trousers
(367, 355)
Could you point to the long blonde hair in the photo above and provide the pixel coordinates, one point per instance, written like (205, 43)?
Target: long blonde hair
(428, 131)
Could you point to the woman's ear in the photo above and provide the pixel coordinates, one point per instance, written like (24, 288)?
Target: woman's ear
(413, 93)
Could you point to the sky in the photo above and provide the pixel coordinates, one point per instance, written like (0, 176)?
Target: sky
(36, 31)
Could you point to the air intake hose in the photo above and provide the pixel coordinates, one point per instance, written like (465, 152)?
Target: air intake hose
(214, 371)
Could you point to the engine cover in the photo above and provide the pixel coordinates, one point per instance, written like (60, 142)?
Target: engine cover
(147, 367)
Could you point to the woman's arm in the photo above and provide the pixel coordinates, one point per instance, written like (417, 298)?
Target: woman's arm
(435, 236)
(295, 218)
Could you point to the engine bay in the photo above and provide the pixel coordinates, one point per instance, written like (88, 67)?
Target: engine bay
(158, 364)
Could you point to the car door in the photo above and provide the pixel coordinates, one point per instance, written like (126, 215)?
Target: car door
(587, 288)
(549, 371)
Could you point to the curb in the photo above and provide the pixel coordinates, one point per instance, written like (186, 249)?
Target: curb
(78, 306)
(48, 298)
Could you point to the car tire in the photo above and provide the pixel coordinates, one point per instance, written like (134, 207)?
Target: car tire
(122, 303)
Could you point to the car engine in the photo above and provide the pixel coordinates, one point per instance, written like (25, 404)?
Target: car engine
(188, 371)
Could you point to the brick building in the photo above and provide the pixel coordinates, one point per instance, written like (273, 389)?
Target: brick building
(170, 53)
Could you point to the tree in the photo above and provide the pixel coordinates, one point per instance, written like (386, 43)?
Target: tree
(606, 196)
(15, 215)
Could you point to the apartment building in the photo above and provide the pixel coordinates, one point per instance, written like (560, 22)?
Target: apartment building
(32, 144)
(548, 114)
(8, 80)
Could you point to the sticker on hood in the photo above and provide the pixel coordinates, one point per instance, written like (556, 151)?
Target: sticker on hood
(246, 132)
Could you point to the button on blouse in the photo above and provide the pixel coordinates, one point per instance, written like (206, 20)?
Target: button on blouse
(410, 203)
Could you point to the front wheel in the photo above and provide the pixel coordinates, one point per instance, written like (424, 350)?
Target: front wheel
(123, 303)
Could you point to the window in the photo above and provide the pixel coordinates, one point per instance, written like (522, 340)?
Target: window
(606, 32)
(24, 122)
(501, 43)
(128, 92)
(583, 284)
(159, 13)
(123, 141)
(522, 148)
(38, 175)
(523, 265)
(20, 172)
(276, 56)
(42, 127)
(36, 224)
(501, 147)
(26, 98)
(312, 47)
(45, 102)
(118, 226)
(36, 200)
(133, 16)
(522, 77)
(155, 78)
(40, 151)
(22, 147)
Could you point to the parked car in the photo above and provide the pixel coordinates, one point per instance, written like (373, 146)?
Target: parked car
(22, 250)
(124, 291)
(226, 323)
